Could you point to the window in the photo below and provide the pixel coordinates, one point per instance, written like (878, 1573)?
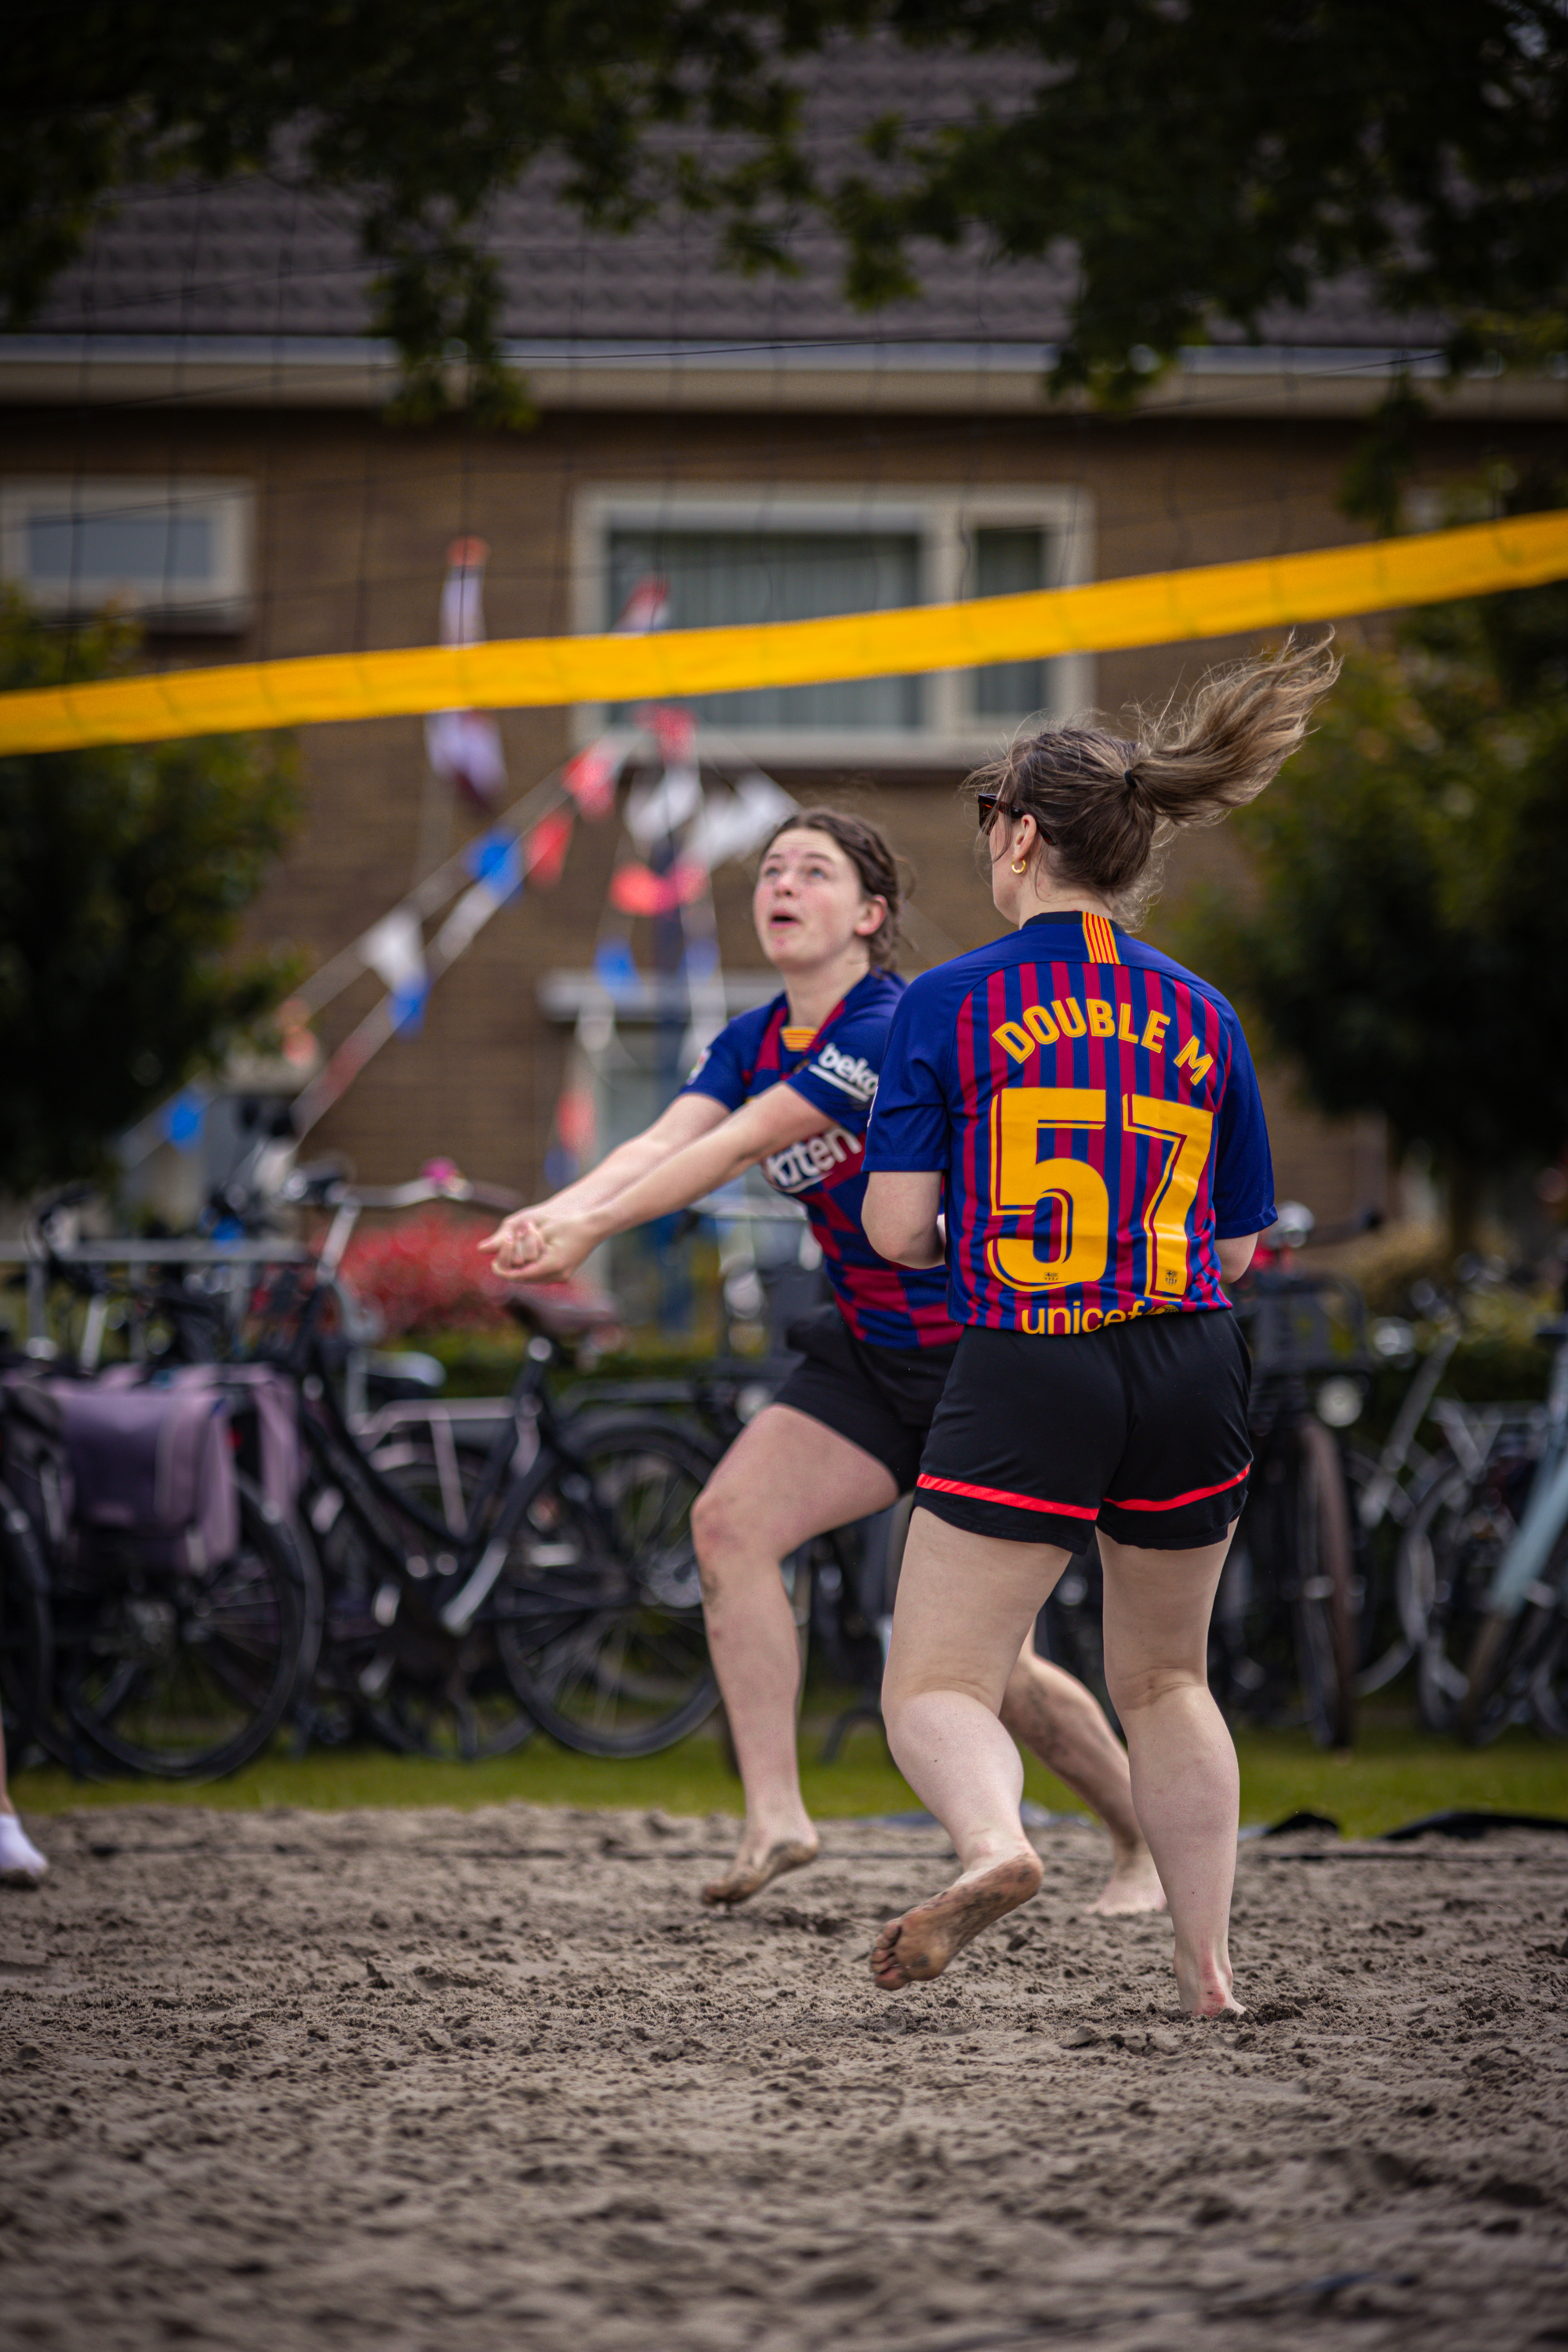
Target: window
(714, 576)
(807, 554)
(177, 555)
(1007, 562)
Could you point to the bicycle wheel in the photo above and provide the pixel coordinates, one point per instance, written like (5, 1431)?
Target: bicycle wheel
(599, 1602)
(27, 1634)
(187, 1677)
(1501, 1672)
(1323, 1604)
(1386, 1645)
(1446, 1563)
(426, 1691)
(1511, 1654)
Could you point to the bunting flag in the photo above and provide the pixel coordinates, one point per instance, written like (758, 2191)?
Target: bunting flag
(615, 966)
(495, 861)
(575, 1120)
(395, 950)
(591, 776)
(638, 890)
(658, 811)
(299, 1048)
(464, 747)
(544, 851)
(186, 1117)
(648, 608)
(736, 823)
(674, 730)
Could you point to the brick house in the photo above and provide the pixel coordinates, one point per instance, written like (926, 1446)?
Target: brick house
(766, 448)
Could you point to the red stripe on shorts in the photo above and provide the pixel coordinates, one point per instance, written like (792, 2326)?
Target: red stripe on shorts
(1019, 1502)
(1174, 1502)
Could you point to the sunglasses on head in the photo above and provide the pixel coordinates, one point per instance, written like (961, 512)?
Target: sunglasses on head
(985, 807)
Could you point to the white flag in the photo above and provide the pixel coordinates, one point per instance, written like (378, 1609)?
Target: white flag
(733, 824)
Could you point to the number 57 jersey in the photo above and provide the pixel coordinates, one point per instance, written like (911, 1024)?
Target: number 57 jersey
(1094, 1113)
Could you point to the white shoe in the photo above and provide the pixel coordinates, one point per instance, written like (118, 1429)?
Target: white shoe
(21, 1864)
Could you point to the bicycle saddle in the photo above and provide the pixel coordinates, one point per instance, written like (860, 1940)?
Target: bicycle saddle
(563, 1310)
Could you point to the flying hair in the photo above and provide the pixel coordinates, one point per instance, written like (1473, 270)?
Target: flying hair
(1107, 806)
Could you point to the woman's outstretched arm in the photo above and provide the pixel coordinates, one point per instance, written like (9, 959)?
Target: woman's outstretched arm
(688, 1117)
(558, 1241)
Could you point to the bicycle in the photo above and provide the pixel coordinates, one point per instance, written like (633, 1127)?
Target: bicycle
(1287, 1615)
(183, 1673)
(1507, 1609)
(476, 1592)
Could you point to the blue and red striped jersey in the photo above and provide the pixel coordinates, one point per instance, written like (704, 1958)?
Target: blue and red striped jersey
(836, 1070)
(1094, 1112)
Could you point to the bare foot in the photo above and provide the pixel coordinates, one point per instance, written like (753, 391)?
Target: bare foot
(921, 1943)
(1133, 1885)
(748, 1876)
(1206, 1991)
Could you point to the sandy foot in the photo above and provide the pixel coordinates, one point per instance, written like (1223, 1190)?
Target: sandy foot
(1206, 1992)
(1133, 1885)
(745, 1878)
(920, 1944)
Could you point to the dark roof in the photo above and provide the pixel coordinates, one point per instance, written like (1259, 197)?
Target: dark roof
(261, 256)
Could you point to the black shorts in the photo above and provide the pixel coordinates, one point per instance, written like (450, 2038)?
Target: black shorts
(1140, 1430)
(880, 1398)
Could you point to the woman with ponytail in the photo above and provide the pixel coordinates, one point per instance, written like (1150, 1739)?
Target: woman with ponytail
(789, 1087)
(1085, 1113)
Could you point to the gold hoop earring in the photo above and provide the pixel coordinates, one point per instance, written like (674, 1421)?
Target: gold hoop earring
(1019, 865)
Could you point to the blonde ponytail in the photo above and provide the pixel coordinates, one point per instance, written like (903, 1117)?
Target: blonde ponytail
(1107, 807)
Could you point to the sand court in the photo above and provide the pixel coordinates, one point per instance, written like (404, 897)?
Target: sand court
(432, 2079)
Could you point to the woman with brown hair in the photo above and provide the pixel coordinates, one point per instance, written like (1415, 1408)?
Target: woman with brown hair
(1085, 1112)
(790, 1086)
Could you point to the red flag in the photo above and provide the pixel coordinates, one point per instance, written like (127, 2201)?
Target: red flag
(673, 728)
(647, 606)
(544, 850)
(591, 776)
(575, 1120)
(638, 890)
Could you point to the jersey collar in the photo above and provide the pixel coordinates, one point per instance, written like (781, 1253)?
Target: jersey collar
(780, 1008)
(1100, 938)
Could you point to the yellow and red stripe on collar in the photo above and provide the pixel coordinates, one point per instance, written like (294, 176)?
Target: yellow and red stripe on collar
(1100, 939)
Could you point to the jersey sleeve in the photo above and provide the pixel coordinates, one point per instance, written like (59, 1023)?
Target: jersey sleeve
(724, 1070)
(841, 1071)
(910, 1126)
(1244, 1172)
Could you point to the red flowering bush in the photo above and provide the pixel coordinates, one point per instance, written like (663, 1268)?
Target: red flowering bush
(426, 1273)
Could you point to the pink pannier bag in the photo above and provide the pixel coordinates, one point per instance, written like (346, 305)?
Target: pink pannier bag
(153, 1475)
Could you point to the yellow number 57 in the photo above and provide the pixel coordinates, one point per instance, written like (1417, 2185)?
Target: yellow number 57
(1079, 1202)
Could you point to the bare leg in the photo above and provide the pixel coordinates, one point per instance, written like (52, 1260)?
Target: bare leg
(1184, 1779)
(965, 1604)
(1063, 1725)
(785, 1479)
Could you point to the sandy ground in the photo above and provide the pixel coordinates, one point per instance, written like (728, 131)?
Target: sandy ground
(460, 2081)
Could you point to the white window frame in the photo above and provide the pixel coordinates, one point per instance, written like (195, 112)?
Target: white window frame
(219, 606)
(950, 731)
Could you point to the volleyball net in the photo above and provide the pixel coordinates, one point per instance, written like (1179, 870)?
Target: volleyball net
(1156, 608)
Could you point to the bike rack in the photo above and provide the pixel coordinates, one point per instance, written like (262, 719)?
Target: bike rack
(232, 1256)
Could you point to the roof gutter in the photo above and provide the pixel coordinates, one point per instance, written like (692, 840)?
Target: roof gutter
(1221, 381)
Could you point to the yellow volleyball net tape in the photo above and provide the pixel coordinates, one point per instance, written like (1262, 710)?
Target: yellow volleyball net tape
(1210, 600)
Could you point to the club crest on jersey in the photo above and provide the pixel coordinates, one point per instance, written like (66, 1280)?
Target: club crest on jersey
(852, 1073)
(804, 1164)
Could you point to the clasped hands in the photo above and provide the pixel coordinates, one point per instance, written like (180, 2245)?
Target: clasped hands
(540, 1245)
